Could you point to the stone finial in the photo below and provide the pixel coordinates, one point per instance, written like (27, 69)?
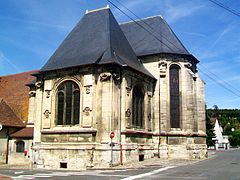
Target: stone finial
(128, 90)
(47, 113)
(162, 68)
(47, 93)
(39, 84)
(116, 76)
(128, 113)
(105, 77)
(88, 89)
(188, 65)
(32, 93)
(87, 111)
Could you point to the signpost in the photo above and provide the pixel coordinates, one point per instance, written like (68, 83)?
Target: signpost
(112, 135)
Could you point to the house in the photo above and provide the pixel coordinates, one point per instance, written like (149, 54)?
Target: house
(9, 123)
(220, 140)
(17, 134)
(113, 93)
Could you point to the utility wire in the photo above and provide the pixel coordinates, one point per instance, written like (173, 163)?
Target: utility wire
(140, 25)
(225, 82)
(133, 13)
(210, 77)
(226, 7)
(220, 84)
(140, 19)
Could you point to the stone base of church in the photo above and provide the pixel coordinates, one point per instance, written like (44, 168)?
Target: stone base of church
(84, 156)
(78, 157)
(183, 147)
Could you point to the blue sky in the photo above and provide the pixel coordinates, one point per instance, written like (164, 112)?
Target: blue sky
(31, 30)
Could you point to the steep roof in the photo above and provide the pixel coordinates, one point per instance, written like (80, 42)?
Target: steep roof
(96, 39)
(15, 93)
(24, 133)
(8, 117)
(144, 43)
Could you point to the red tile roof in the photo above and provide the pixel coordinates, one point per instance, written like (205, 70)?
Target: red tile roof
(15, 93)
(24, 133)
(8, 117)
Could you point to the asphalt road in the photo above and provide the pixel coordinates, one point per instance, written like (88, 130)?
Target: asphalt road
(224, 166)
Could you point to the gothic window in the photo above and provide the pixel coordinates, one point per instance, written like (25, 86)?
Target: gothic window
(138, 107)
(68, 103)
(20, 146)
(174, 96)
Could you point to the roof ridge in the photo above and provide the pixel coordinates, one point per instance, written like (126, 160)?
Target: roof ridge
(25, 72)
(145, 18)
(162, 39)
(98, 9)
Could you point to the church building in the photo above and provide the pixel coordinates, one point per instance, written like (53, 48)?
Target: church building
(113, 93)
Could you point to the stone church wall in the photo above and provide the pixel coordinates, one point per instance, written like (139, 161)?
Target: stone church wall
(188, 141)
(105, 100)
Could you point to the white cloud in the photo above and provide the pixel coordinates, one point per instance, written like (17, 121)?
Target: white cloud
(175, 12)
(222, 34)
(35, 23)
(194, 34)
(4, 59)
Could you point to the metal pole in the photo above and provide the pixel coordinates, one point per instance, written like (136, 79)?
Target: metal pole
(111, 162)
(7, 149)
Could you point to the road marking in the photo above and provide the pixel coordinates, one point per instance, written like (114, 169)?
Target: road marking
(62, 174)
(148, 174)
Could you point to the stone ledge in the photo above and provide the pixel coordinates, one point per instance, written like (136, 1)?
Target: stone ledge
(180, 134)
(70, 131)
(136, 132)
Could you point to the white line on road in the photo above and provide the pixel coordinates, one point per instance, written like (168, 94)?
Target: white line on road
(148, 174)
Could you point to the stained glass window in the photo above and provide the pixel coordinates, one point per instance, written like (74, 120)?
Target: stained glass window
(68, 103)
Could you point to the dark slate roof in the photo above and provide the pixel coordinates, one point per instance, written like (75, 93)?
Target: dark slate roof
(143, 43)
(8, 117)
(96, 39)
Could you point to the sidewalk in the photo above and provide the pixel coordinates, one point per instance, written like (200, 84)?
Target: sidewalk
(158, 162)
(131, 165)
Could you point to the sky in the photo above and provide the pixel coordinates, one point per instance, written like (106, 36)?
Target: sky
(31, 30)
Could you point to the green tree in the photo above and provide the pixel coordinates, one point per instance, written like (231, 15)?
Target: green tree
(210, 131)
(234, 139)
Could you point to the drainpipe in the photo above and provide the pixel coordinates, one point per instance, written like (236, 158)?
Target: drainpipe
(159, 122)
(120, 123)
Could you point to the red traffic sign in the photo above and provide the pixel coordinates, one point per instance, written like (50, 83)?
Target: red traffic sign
(112, 134)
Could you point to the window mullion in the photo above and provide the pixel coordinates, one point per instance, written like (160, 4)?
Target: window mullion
(65, 105)
(72, 112)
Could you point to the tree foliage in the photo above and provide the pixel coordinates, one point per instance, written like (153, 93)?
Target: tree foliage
(229, 120)
(210, 131)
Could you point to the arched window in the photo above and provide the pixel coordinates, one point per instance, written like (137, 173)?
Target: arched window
(20, 146)
(68, 103)
(138, 107)
(174, 96)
